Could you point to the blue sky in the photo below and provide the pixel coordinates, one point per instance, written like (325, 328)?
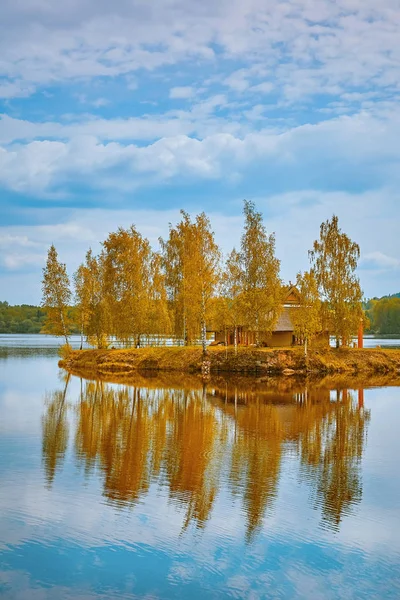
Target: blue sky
(125, 112)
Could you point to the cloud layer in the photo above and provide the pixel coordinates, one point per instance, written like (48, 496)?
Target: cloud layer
(197, 105)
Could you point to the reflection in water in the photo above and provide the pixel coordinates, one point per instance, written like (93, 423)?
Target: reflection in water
(331, 451)
(187, 441)
(55, 431)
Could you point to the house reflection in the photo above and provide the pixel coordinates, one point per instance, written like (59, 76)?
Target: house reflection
(195, 442)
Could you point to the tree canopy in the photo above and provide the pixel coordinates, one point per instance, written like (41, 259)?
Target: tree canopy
(56, 296)
(334, 258)
(131, 291)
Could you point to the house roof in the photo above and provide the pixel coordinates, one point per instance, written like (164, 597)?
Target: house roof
(284, 322)
(292, 295)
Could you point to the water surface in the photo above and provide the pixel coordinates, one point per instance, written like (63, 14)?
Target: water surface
(166, 488)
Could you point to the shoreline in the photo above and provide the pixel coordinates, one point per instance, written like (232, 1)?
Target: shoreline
(248, 361)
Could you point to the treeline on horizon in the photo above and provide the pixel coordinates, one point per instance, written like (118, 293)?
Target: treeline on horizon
(383, 314)
(130, 292)
(26, 318)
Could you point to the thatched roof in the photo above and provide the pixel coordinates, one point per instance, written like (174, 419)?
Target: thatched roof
(284, 321)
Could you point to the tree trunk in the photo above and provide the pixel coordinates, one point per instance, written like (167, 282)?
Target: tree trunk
(226, 343)
(235, 339)
(204, 337)
(64, 327)
(185, 339)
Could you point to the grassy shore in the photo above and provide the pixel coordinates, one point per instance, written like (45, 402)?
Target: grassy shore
(254, 361)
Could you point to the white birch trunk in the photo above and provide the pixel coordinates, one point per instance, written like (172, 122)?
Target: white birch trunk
(204, 337)
(63, 326)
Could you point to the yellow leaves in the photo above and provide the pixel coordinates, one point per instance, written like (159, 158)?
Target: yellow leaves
(306, 317)
(131, 292)
(261, 285)
(334, 259)
(191, 261)
(56, 295)
(126, 261)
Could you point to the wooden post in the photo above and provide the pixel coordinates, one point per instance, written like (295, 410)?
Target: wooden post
(361, 335)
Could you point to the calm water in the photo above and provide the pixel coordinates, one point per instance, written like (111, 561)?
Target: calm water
(166, 489)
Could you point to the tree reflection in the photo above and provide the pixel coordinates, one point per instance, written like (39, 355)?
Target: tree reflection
(55, 432)
(191, 462)
(331, 450)
(256, 458)
(191, 441)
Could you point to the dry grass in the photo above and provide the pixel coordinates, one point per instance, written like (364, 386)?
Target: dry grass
(254, 361)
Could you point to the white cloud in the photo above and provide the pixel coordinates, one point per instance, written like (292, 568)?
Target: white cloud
(306, 47)
(18, 260)
(182, 92)
(295, 217)
(265, 87)
(379, 260)
(7, 240)
(353, 147)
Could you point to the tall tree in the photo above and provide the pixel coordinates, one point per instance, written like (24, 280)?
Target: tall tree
(159, 321)
(173, 254)
(232, 285)
(206, 272)
(306, 317)
(89, 296)
(56, 295)
(191, 261)
(81, 302)
(262, 288)
(126, 258)
(334, 260)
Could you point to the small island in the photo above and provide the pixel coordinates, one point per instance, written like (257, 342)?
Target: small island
(183, 308)
(251, 361)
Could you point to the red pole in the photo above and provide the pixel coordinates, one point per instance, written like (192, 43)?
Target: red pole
(361, 335)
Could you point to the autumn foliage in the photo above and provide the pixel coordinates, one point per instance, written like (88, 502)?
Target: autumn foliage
(135, 295)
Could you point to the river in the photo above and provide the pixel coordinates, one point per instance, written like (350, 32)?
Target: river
(168, 488)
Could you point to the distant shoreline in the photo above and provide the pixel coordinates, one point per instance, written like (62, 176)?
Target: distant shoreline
(252, 361)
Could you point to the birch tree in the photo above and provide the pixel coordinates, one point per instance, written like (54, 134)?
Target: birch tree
(81, 303)
(191, 260)
(89, 296)
(56, 295)
(334, 260)
(173, 253)
(232, 287)
(306, 317)
(262, 288)
(205, 277)
(159, 321)
(126, 259)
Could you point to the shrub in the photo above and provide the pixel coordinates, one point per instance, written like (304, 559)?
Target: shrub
(64, 351)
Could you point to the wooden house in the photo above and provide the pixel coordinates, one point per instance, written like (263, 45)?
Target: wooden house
(283, 333)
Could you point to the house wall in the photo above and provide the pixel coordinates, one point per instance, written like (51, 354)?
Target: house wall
(280, 338)
(277, 339)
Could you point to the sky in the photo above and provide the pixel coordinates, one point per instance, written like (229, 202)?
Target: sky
(113, 113)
